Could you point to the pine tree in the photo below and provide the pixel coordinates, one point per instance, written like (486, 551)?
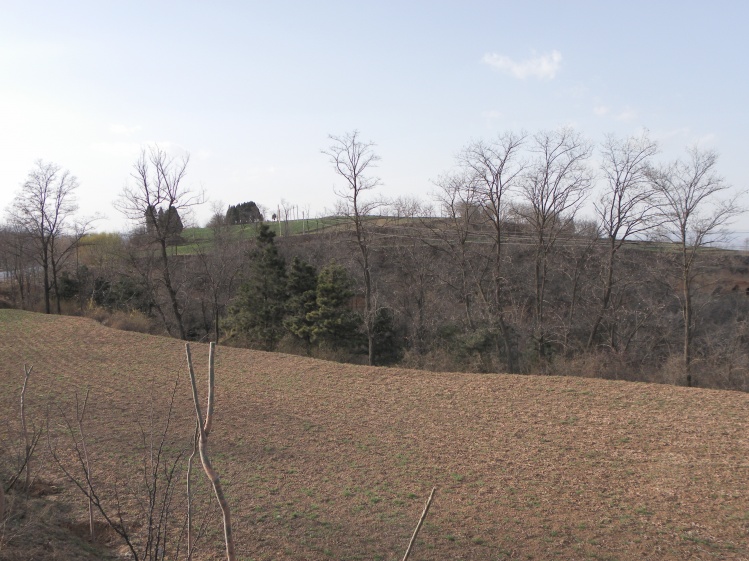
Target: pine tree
(302, 292)
(260, 306)
(333, 321)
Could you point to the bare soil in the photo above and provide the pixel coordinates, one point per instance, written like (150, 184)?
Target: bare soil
(332, 461)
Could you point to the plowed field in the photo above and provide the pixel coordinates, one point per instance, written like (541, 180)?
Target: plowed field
(331, 461)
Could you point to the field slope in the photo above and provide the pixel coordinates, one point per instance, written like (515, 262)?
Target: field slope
(331, 461)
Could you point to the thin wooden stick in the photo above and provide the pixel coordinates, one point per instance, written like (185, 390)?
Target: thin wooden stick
(418, 526)
(203, 448)
(211, 380)
(189, 493)
(27, 373)
(87, 464)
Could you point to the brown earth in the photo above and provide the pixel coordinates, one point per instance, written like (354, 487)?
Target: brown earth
(331, 461)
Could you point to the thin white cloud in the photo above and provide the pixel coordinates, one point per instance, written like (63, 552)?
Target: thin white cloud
(628, 114)
(123, 129)
(492, 114)
(118, 149)
(709, 139)
(543, 67)
(601, 110)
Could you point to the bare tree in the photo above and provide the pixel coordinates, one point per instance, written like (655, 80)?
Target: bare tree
(495, 169)
(203, 426)
(414, 270)
(43, 208)
(557, 182)
(694, 206)
(452, 234)
(353, 159)
(626, 207)
(155, 198)
(218, 275)
(149, 531)
(17, 258)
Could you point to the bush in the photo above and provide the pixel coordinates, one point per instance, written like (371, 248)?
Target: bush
(126, 321)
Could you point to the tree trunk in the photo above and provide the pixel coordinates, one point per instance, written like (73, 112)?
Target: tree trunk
(608, 285)
(47, 289)
(369, 317)
(170, 290)
(204, 429)
(54, 280)
(687, 312)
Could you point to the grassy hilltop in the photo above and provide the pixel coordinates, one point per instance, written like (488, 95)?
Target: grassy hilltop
(330, 461)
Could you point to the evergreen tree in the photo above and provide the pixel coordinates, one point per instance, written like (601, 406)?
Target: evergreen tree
(333, 321)
(388, 342)
(302, 299)
(260, 306)
(243, 213)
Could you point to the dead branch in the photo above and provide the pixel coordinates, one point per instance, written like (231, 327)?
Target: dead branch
(86, 487)
(14, 479)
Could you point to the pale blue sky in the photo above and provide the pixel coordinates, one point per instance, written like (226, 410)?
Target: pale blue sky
(252, 89)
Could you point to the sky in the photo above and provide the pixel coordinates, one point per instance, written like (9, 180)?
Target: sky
(252, 90)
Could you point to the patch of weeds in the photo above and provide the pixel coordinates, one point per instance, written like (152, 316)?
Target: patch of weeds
(697, 539)
(643, 511)
(457, 477)
(450, 538)
(571, 420)
(402, 459)
(412, 496)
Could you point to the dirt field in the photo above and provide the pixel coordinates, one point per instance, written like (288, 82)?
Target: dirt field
(330, 461)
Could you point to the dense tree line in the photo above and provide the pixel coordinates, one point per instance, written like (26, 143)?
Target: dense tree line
(499, 272)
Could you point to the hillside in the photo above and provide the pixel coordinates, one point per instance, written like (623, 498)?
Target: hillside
(331, 461)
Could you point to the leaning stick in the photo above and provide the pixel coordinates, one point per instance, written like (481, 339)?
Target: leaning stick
(27, 373)
(418, 526)
(203, 448)
(87, 464)
(189, 493)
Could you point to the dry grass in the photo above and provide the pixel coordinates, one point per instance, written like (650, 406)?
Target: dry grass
(331, 461)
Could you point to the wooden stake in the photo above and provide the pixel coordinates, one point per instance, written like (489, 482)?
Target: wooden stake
(418, 526)
(86, 463)
(27, 373)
